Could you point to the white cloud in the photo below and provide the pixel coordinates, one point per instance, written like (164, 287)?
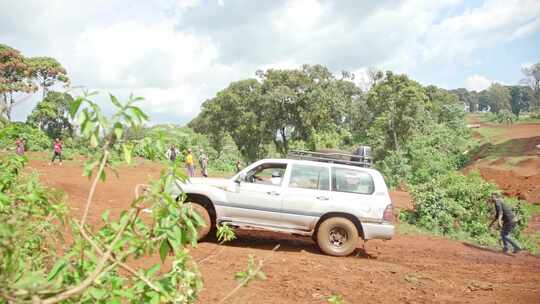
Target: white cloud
(179, 53)
(477, 83)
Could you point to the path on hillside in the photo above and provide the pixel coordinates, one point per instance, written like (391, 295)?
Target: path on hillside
(407, 269)
(511, 158)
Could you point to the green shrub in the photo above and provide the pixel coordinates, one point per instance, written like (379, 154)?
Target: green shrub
(395, 168)
(503, 117)
(458, 205)
(36, 140)
(436, 149)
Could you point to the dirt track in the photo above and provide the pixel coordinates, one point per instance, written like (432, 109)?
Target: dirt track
(512, 142)
(407, 269)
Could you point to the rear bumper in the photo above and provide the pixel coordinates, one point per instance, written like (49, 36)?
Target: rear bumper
(383, 231)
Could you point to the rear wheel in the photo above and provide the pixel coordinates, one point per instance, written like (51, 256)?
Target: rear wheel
(337, 236)
(202, 231)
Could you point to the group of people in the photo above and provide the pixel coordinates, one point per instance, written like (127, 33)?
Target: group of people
(20, 149)
(172, 154)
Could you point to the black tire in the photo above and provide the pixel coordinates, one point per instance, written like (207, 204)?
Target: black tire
(337, 236)
(203, 213)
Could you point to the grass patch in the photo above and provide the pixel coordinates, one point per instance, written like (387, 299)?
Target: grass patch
(488, 134)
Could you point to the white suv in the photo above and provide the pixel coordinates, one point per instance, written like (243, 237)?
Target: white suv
(333, 203)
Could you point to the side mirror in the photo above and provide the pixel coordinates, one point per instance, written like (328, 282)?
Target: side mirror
(240, 178)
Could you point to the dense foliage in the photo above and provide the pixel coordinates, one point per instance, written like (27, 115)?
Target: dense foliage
(36, 140)
(515, 98)
(86, 269)
(458, 205)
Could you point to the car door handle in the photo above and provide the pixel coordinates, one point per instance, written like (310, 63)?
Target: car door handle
(272, 193)
(322, 198)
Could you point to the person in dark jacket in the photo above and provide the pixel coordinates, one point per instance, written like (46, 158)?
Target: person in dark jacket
(506, 220)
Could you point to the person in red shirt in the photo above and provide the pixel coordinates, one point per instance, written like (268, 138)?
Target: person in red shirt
(19, 147)
(57, 151)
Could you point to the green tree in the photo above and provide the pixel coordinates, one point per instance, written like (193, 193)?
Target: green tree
(13, 79)
(532, 78)
(239, 110)
(470, 98)
(498, 98)
(52, 115)
(521, 99)
(398, 105)
(47, 71)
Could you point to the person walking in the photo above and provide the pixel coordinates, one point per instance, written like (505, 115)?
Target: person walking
(19, 146)
(57, 151)
(238, 166)
(203, 162)
(506, 220)
(190, 166)
(172, 153)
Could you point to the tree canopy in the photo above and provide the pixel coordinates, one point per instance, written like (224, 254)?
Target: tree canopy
(51, 115)
(47, 71)
(14, 77)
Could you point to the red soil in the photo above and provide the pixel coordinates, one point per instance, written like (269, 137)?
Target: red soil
(407, 269)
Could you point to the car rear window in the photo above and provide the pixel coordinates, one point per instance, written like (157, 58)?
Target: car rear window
(352, 181)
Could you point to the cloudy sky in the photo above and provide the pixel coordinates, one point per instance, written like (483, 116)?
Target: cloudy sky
(178, 53)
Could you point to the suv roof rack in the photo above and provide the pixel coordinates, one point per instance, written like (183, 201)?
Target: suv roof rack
(364, 161)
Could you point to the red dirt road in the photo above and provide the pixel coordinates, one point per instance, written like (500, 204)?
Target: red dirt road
(407, 269)
(516, 141)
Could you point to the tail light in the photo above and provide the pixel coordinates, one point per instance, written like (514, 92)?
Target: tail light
(388, 215)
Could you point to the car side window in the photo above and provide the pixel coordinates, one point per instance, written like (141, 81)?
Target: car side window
(353, 181)
(309, 177)
(267, 174)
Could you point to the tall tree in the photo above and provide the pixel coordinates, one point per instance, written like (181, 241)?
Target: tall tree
(532, 79)
(47, 71)
(532, 76)
(13, 79)
(498, 98)
(398, 105)
(52, 114)
(239, 110)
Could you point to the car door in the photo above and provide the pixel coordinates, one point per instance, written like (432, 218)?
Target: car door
(257, 197)
(306, 194)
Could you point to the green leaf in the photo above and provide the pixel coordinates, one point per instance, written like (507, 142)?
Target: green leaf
(141, 116)
(115, 101)
(105, 216)
(164, 250)
(74, 106)
(153, 270)
(127, 152)
(93, 140)
(57, 268)
(118, 130)
(96, 293)
(103, 176)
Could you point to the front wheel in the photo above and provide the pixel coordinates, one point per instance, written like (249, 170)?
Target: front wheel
(202, 231)
(337, 236)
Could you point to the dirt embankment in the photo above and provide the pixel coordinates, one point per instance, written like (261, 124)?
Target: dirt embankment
(511, 159)
(407, 269)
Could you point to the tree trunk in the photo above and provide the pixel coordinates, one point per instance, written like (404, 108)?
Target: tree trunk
(394, 135)
(9, 106)
(44, 88)
(285, 141)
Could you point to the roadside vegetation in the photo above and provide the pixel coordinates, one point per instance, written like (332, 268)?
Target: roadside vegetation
(418, 133)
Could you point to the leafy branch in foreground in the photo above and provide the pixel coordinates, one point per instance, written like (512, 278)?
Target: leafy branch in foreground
(87, 269)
